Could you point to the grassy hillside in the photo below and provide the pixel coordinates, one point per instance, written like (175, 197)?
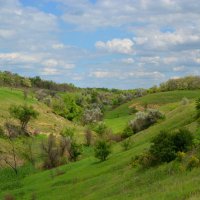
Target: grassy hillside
(116, 178)
(47, 121)
(117, 118)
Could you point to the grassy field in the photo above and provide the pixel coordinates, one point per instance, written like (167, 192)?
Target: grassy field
(116, 178)
(117, 118)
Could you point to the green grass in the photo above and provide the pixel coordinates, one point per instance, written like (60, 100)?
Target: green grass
(117, 118)
(115, 178)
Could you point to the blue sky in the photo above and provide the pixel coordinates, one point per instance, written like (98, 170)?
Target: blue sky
(101, 43)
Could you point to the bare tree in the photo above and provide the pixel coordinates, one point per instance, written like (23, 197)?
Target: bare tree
(10, 157)
(50, 152)
(88, 136)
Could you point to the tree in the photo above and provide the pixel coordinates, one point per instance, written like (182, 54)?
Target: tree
(69, 145)
(102, 150)
(88, 137)
(10, 156)
(24, 114)
(50, 152)
(74, 150)
(92, 115)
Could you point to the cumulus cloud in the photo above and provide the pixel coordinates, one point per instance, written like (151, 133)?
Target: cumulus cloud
(124, 75)
(123, 46)
(137, 43)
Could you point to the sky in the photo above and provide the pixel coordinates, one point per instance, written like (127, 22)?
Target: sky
(101, 43)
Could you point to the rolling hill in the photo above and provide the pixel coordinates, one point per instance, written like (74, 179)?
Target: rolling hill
(115, 178)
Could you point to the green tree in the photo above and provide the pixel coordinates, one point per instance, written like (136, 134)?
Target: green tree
(24, 114)
(102, 150)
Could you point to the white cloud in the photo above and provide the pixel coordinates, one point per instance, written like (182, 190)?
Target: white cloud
(124, 75)
(179, 69)
(50, 71)
(128, 60)
(123, 46)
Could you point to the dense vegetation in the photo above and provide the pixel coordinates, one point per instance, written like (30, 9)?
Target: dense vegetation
(99, 143)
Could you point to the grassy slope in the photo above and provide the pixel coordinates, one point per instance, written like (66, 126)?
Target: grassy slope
(119, 117)
(115, 178)
(46, 123)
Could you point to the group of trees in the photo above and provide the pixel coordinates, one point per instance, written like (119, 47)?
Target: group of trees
(185, 83)
(14, 80)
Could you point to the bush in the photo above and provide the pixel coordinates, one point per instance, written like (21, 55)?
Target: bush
(193, 162)
(145, 119)
(182, 140)
(74, 150)
(127, 132)
(68, 132)
(102, 130)
(181, 156)
(126, 144)
(24, 114)
(146, 160)
(163, 147)
(184, 101)
(166, 147)
(102, 150)
(50, 153)
(92, 115)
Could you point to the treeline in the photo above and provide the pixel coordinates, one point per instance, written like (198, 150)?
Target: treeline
(14, 80)
(185, 83)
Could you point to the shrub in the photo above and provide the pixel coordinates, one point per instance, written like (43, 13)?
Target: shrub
(193, 162)
(74, 150)
(92, 115)
(69, 146)
(24, 114)
(127, 132)
(181, 156)
(68, 132)
(165, 145)
(126, 144)
(102, 150)
(146, 160)
(184, 101)
(50, 153)
(182, 140)
(102, 130)
(145, 119)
